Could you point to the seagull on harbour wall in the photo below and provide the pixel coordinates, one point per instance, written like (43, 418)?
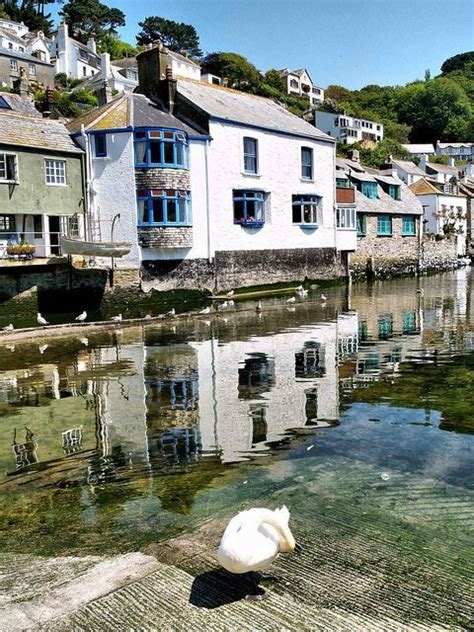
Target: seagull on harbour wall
(40, 320)
(222, 306)
(206, 310)
(323, 297)
(8, 328)
(42, 348)
(291, 300)
(300, 288)
(172, 312)
(230, 294)
(81, 318)
(258, 306)
(117, 318)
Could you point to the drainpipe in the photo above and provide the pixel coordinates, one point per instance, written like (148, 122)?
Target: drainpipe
(88, 205)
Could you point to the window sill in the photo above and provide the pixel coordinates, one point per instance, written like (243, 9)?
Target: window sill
(54, 184)
(307, 226)
(385, 235)
(153, 166)
(408, 234)
(249, 224)
(250, 175)
(307, 180)
(351, 228)
(9, 182)
(101, 157)
(361, 234)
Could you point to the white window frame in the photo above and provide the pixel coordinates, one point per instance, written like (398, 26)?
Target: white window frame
(55, 174)
(5, 180)
(32, 69)
(14, 65)
(349, 221)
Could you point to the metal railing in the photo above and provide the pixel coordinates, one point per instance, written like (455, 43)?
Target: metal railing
(29, 245)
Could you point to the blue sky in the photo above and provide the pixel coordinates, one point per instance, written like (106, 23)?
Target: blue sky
(348, 42)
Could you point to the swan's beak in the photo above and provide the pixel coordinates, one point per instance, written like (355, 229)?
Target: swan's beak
(298, 548)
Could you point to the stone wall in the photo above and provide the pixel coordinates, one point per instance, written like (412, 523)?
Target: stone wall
(165, 237)
(158, 178)
(438, 254)
(245, 268)
(383, 256)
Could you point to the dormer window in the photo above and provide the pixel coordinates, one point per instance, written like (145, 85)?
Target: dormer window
(394, 191)
(369, 189)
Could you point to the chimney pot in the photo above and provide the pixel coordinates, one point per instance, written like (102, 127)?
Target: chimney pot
(169, 73)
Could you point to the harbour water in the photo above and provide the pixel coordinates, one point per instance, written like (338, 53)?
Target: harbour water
(356, 412)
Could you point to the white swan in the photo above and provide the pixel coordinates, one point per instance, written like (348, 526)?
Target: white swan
(252, 540)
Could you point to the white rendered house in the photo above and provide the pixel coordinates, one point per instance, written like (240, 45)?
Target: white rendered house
(214, 186)
(299, 83)
(73, 58)
(348, 129)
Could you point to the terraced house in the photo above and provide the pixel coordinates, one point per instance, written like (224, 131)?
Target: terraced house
(389, 229)
(40, 180)
(214, 187)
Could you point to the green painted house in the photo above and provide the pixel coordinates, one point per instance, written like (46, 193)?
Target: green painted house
(41, 182)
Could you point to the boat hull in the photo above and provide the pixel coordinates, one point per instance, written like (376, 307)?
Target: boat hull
(94, 248)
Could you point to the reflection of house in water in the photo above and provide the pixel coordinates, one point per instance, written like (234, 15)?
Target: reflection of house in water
(25, 453)
(252, 392)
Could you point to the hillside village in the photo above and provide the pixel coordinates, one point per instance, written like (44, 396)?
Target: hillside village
(174, 179)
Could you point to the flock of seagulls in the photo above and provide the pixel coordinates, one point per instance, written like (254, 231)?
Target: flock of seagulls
(300, 291)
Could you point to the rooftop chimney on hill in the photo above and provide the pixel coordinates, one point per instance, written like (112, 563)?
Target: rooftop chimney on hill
(21, 85)
(155, 75)
(355, 155)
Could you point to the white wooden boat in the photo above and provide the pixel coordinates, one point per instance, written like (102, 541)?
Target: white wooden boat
(94, 248)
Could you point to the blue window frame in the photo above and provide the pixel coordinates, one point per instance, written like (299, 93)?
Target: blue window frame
(409, 322)
(100, 145)
(369, 189)
(385, 326)
(249, 208)
(3, 104)
(306, 163)
(161, 148)
(409, 225)
(384, 226)
(306, 209)
(361, 224)
(250, 155)
(160, 207)
(342, 183)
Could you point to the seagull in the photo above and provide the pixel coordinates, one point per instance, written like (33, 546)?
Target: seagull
(303, 292)
(117, 318)
(10, 348)
(230, 294)
(40, 320)
(323, 297)
(8, 328)
(206, 310)
(258, 306)
(222, 306)
(291, 300)
(42, 348)
(148, 316)
(300, 288)
(84, 341)
(230, 303)
(81, 318)
(172, 312)
(291, 309)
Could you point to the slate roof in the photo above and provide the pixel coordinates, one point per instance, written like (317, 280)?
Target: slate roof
(386, 179)
(424, 187)
(407, 205)
(12, 36)
(6, 52)
(456, 145)
(363, 177)
(409, 167)
(182, 58)
(30, 131)
(437, 168)
(351, 165)
(129, 110)
(18, 105)
(419, 148)
(126, 62)
(247, 109)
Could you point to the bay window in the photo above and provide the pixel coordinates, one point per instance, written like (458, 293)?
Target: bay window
(160, 207)
(306, 209)
(161, 148)
(249, 208)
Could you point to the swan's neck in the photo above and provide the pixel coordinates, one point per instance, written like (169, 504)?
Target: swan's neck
(287, 542)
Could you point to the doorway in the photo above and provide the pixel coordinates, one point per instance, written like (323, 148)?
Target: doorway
(54, 230)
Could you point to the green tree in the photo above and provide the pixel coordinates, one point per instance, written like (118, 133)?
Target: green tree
(273, 79)
(233, 68)
(115, 47)
(176, 36)
(337, 93)
(91, 18)
(457, 62)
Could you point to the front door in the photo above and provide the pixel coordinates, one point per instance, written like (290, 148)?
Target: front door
(54, 230)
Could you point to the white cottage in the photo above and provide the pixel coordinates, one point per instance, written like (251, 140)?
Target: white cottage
(215, 187)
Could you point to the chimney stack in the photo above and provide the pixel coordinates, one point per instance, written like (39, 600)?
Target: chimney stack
(105, 70)
(451, 161)
(105, 93)
(355, 157)
(21, 85)
(155, 75)
(92, 46)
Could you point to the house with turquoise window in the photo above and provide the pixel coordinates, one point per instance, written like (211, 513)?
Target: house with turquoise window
(388, 218)
(215, 188)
